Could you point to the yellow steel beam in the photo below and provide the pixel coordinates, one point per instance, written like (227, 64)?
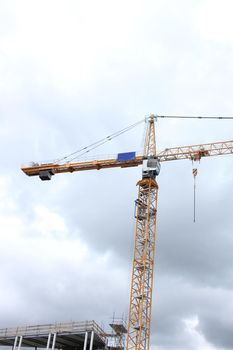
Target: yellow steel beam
(80, 166)
(193, 152)
(139, 318)
(196, 152)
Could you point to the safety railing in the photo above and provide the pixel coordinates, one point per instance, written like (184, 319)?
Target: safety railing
(39, 330)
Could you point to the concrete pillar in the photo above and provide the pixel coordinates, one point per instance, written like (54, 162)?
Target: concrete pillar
(48, 342)
(92, 339)
(15, 343)
(85, 341)
(54, 340)
(20, 342)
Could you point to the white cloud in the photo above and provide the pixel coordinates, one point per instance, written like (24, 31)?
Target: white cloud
(70, 42)
(196, 339)
(49, 269)
(48, 224)
(215, 21)
(6, 201)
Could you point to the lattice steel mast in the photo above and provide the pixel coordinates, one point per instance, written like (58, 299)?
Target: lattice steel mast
(139, 319)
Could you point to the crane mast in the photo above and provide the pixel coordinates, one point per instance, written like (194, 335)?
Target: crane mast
(139, 317)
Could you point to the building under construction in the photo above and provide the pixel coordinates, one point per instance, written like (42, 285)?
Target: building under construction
(75, 335)
(86, 335)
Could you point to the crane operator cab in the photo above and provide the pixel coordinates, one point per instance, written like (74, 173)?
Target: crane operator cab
(150, 168)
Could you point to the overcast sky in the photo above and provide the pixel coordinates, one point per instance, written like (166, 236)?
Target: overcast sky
(73, 72)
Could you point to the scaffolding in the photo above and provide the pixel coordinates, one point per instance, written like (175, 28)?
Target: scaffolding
(117, 336)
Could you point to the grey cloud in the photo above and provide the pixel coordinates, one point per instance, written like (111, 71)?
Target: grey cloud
(166, 68)
(217, 330)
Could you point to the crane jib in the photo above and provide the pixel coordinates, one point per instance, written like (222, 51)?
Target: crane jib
(129, 159)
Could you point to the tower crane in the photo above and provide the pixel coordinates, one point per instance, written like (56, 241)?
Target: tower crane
(140, 305)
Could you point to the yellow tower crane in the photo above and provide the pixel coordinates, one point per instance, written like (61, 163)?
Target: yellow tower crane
(140, 306)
